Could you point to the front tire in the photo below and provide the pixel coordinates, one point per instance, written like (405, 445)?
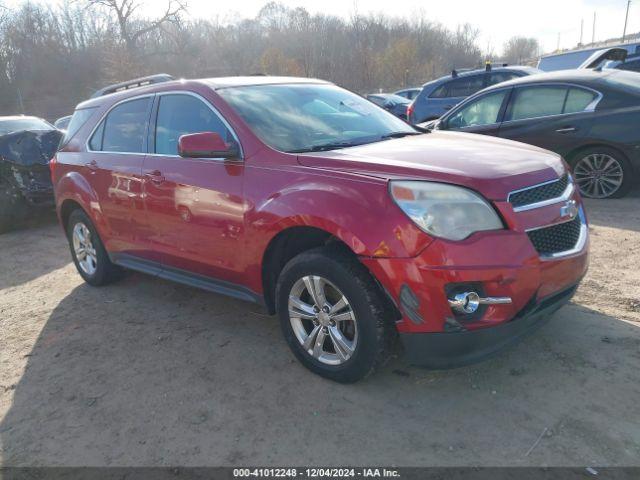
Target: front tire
(601, 172)
(332, 315)
(88, 252)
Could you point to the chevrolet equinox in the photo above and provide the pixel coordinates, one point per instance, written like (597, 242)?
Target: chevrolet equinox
(351, 225)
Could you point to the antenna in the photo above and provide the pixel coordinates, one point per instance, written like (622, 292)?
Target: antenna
(626, 18)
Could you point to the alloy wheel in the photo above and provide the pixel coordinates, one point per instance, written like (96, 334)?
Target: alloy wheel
(84, 250)
(323, 320)
(598, 175)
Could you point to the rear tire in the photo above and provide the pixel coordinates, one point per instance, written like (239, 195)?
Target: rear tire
(88, 252)
(602, 172)
(347, 337)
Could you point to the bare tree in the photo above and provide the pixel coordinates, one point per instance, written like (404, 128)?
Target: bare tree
(131, 29)
(520, 50)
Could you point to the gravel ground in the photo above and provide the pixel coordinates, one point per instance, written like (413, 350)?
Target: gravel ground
(146, 372)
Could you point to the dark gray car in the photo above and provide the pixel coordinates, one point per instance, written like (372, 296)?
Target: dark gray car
(589, 117)
(441, 95)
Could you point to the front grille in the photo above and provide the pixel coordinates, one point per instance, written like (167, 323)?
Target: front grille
(539, 193)
(557, 238)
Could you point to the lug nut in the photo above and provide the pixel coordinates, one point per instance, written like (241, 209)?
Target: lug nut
(325, 309)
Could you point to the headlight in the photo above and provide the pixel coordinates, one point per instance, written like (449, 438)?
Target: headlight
(444, 210)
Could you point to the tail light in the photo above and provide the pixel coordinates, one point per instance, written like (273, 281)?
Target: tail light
(52, 168)
(410, 109)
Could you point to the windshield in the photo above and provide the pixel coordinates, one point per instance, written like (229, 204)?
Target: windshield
(302, 118)
(18, 124)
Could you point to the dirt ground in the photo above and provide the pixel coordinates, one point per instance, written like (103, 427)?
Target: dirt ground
(146, 372)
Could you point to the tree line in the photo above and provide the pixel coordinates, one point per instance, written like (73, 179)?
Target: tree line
(52, 57)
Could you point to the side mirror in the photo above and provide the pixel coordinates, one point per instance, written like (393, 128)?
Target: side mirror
(206, 145)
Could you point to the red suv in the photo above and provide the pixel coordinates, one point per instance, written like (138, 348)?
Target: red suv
(348, 223)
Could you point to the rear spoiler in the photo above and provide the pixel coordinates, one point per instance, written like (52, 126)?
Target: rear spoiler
(597, 58)
(135, 83)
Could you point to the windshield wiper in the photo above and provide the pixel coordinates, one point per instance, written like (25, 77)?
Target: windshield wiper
(325, 147)
(398, 135)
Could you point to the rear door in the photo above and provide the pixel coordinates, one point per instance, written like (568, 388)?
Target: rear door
(554, 117)
(194, 205)
(113, 167)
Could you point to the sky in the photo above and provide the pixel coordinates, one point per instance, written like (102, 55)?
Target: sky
(497, 20)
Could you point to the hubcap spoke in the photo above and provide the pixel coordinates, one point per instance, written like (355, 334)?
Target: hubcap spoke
(340, 344)
(317, 347)
(310, 341)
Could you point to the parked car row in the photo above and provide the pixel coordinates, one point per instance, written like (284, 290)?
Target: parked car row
(589, 117)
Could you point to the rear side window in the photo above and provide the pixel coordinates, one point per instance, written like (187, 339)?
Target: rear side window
(78, 119)
(124, 128)
(538, 101)
(578, 100)
(461, 87)
(183, 114)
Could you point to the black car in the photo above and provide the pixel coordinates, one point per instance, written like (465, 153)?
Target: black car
(391, 102)
(590, 117)
(26, 146)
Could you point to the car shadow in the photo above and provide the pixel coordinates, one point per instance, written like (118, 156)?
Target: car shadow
(145, 372)
(34, 244)
(615, 212)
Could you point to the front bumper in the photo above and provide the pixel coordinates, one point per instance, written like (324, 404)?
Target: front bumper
(496, 264)
(448, 350)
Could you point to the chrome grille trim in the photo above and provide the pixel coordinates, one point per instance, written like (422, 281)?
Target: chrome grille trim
(566, 195)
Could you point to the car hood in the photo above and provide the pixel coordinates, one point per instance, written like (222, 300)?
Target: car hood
(489, 165)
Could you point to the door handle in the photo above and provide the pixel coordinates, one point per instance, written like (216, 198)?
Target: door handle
(92, 165)
(566, 130)
(155, 176)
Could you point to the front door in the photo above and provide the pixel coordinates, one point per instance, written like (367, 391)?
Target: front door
(481, 115)
(195, 206)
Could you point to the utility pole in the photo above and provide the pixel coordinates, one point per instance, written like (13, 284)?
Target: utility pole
(558, 47)
(581, 29)
(593, 32)
(626, 17)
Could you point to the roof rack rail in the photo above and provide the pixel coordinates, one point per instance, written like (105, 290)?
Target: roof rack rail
(135, 83)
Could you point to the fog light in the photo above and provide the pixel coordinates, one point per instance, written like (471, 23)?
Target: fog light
(468, 302)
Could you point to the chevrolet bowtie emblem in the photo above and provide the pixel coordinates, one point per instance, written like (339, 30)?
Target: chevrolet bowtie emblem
(569, 209)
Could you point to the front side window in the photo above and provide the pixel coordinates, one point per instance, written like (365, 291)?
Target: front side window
(539, 101)
(483, 111)
(181, 115)
(308, 117)
(124, 128)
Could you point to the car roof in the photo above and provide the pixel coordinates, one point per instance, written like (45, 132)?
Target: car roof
(216, 83)
(580, 76)
(467, 73)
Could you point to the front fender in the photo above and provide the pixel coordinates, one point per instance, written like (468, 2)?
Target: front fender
(358, 212)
